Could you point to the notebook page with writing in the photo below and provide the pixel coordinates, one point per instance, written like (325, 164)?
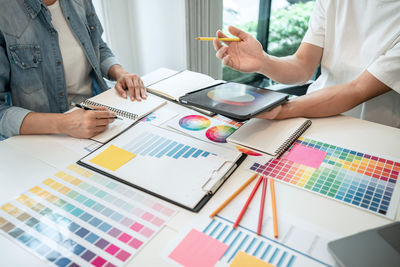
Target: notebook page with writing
(129, 111)
(270, 137)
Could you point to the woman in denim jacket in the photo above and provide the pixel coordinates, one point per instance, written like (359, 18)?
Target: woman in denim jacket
(52, 53)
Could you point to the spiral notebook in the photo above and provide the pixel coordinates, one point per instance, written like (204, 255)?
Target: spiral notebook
(129, 111)
(271, 137)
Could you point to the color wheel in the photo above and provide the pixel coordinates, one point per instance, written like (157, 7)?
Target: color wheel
(219, 133)
(234, 96)
(194, 122)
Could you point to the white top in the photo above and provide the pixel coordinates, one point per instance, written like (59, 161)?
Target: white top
(76, 66)
(358, 36)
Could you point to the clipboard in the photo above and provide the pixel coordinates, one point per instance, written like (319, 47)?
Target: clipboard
(235, 100)
(171, 166)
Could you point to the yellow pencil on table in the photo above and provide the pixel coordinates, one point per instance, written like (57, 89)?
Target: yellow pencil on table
(274, 216)
(224, 39)
(229, 199)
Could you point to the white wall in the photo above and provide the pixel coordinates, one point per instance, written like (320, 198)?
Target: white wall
(145, 34)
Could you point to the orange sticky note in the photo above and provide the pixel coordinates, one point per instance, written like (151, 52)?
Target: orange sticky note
(112, 158)
(242, 259)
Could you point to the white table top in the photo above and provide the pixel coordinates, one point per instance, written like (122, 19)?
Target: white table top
(26, 160)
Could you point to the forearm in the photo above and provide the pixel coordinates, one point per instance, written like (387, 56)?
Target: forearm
(334, 100)
(42, 123)
(286, 70)
(294, 69)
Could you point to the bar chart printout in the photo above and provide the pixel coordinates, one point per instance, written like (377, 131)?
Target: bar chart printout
(359, 179)
(78, 218)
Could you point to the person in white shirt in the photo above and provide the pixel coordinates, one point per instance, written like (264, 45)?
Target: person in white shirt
(357, 44)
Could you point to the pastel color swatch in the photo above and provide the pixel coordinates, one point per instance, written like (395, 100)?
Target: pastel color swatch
(243, 259)
(305, 155)
(362, 180)
(198, 250)
(80, 218)
(113, 158)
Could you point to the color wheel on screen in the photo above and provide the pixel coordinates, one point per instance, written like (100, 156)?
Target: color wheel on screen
(219, 133)
(234, 97)
(194, 122)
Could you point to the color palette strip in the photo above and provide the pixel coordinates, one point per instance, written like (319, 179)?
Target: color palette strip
(153, 145)
(234, 123)
(359, 179)
(71, 221)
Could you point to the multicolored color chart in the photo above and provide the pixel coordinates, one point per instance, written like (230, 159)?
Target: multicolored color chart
(149, 117)
(219, 133)
(79, 218)
(248, 151)
(194, 122)
(154, 145)
(359, 179)
(243, 239)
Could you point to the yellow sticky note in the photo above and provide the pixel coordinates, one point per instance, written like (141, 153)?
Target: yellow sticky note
(112, 158)
(243, 259)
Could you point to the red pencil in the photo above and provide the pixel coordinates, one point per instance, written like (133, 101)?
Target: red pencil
(261, 213)
(247, 202)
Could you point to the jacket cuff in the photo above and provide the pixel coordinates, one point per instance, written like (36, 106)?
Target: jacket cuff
(10, 122)
(106, 65)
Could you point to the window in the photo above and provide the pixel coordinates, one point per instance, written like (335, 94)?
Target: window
(279, 25)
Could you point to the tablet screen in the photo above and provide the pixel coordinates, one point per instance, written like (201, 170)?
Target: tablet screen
(240, 101)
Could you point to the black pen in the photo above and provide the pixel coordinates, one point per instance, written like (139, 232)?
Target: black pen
(89, 108)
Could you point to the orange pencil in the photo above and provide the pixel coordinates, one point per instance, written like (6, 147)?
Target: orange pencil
(274, 218)
(242, 212)
(229, 199)
(224, 39)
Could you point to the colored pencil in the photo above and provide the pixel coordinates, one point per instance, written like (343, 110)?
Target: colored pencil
(242, 212)
(224, 39)
(229, 199)
(261, 213)
(274, 218)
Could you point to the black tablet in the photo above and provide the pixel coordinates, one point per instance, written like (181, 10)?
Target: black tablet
(235, 100)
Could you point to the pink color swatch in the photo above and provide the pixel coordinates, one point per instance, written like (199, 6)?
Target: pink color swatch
(125, 238)
(136, 227)
(147, 232)
(112, 249)
(135, 243)
(191, 252)
(306, 155)
(123, 255)
(99, 261)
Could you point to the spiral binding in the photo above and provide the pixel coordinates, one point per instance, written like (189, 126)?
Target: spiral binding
(292, 138)
(119, 112)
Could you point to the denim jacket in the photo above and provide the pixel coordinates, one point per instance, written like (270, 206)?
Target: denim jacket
(31, 66)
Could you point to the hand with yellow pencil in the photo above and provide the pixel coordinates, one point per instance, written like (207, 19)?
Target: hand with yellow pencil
(245, 56)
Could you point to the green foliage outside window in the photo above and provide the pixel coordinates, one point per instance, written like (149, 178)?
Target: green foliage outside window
(287, 28)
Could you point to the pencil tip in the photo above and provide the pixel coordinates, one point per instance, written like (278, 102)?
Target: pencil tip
(197, 38)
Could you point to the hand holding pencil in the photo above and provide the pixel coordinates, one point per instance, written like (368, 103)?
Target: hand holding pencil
(246, 55)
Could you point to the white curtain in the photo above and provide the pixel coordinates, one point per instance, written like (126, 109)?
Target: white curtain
(203, 18)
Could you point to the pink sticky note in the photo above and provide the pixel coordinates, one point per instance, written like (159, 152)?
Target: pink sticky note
(305, 155)
(198, 250)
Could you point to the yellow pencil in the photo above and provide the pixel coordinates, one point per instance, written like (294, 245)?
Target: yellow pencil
(274, 217)
(229, 199)
(224, 39)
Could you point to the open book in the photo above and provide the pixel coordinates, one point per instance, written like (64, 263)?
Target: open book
(271, 137)
(172, 84)
(129, 111)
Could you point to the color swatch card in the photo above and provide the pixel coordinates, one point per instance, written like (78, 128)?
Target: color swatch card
(205, 128)
(77, 218)
(359, 179)
(170, 165)
(216, 241)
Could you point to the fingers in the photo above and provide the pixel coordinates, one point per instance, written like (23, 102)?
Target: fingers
(120, 90)
(221, 52)
(270, 115)
(137, 89)
(238, 33)
(131, 88)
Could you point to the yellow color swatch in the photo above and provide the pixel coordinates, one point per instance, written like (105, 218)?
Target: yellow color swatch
(243, 259)
(113, 158)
